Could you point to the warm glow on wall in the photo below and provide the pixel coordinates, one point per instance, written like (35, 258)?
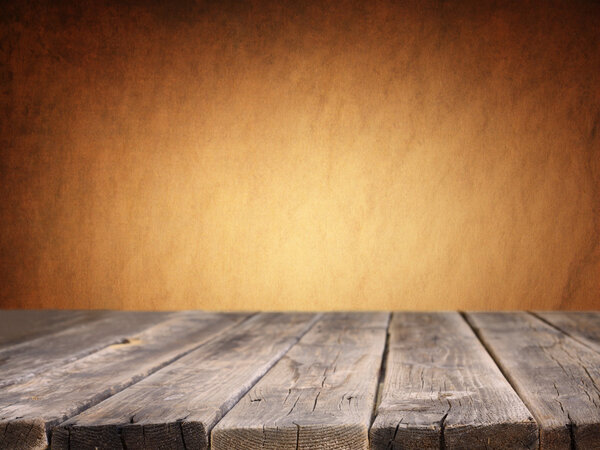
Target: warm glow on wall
(269, 155)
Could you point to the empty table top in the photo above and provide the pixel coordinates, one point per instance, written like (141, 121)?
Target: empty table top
(269, 380)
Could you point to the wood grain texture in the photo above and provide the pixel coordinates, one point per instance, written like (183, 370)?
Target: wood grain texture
(18, 325)
(177, 407)
(583, 326)
(557, 377)
(23, 435)
(60, 393)
(443, 390)
(23, 361)
(320, 395)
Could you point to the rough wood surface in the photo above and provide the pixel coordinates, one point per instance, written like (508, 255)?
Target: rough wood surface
(22, 361)
(177, 407)
(320, 395)
(33, 407)
(442, 390)
(18, 326)
(557, 377)
(108, 379)
(581, 326)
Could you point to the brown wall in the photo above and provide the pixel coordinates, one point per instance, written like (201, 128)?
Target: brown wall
(330, 155)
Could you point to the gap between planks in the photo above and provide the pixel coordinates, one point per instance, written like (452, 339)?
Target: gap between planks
(435, 362)
(79, 339)
(582, 326)
(29, 410)
(166, 410)
(319, 396)
(556, 376)
(383, 368)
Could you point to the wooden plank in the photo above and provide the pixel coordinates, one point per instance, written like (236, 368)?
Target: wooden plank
(177, 406)
(442, 389)
(23, 361)
(320, 395)
(33, 407)
(581, 326)
(557, 377)
(20, 325)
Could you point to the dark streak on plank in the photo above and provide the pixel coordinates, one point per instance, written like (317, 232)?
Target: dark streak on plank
(442, 390)
(18, 326)
(177, 407)
(319, 395)
(50, 398)
(21, 362)
(557, 377)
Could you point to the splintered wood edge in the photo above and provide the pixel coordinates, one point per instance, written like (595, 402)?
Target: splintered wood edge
(23, 434)
(384, 434)
(350, 435)
(176, 435)
(498, 435)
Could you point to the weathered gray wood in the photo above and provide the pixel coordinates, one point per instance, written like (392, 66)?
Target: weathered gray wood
(442, 390)
(32, 407)
(177, 406)
(557, 377)
(20, 325)
(581, 326)
(22, 361)
(320, 395)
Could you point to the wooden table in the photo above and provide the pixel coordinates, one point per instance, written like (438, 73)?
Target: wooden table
(193, 379)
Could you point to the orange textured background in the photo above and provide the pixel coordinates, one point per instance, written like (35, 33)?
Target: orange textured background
(300, 155)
